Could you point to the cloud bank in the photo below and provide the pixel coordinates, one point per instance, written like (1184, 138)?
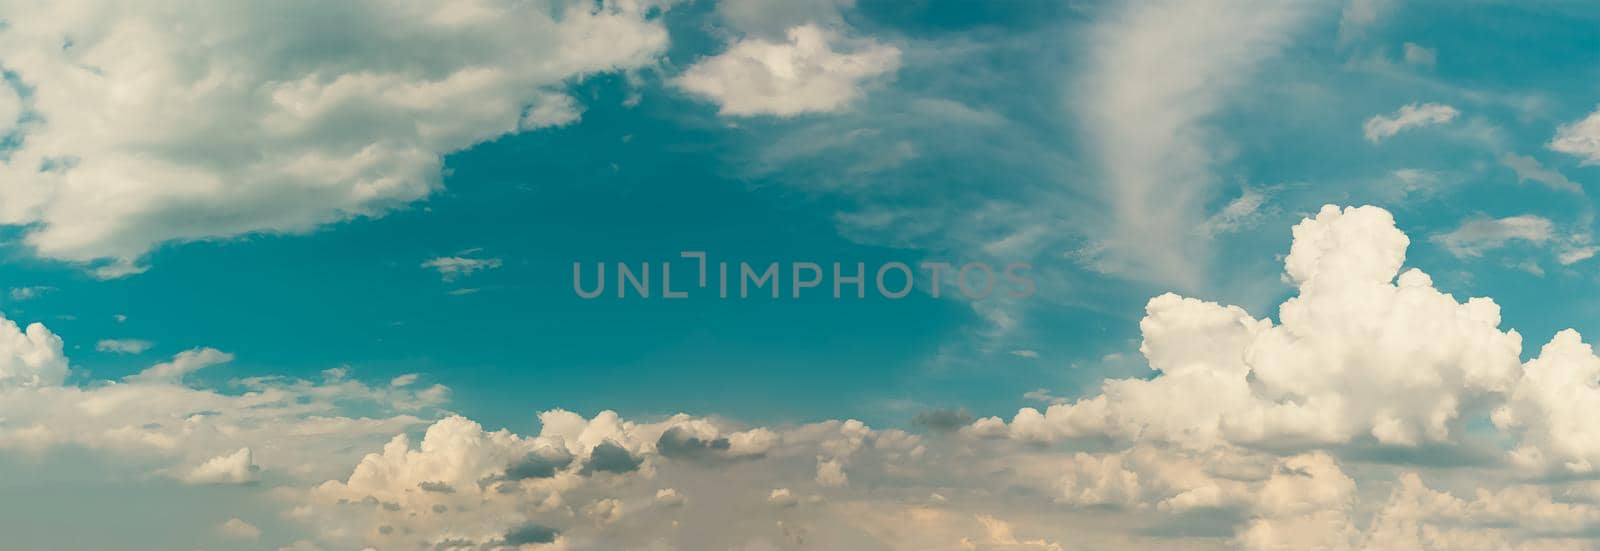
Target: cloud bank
(1376, 412)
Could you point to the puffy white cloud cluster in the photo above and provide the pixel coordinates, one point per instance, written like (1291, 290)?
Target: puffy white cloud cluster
(585, 483)
(286, 427)
(1419, 517)
(1358, 354)
(30, 357)
(146, 122)
(1553, 408)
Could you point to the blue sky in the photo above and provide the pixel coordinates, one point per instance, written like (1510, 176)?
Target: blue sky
(279, 194)
(640, 182)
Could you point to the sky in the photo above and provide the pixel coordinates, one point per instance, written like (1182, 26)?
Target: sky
(1266, 274)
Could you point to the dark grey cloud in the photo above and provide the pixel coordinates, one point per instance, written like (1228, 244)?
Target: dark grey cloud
(943, 420)
(529, 534)
(678, 443)
(436, 487)
(608, 457)
(541, 464)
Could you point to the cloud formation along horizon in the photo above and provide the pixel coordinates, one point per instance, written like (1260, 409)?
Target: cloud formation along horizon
(1377, 413)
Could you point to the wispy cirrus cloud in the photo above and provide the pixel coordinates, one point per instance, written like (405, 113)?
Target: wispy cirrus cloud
(1529, 169)
(451, 268)
(123, 346)
(1155, 72)
(1478, 235)
(19, 294)
(1415, 115)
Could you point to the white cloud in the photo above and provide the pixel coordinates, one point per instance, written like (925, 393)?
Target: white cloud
(1044, 395)
(29, 293)
(1156, 72)
(1553, 407)
(552, 109)
(30, 358)
(404, 380)
(1358, 16)
(462, 483)
(1515, 517)
(1411, 183)
(1329, 373)
(1243, 212)
(142, 117)
(10, 109)
(670, 497)
(156, 424)
(782, 497)
(452, 267)
(1479, 235)
(1416, 54)
(816, 70)
(1415, 115)
(1529, 169)
(236, 529)
(123, 346)
(1576, 254)
(1001, 533)
(830, 472)
(1304, 505)
(774, 17)
(186, 362)
(1580, 139)
(234, 468)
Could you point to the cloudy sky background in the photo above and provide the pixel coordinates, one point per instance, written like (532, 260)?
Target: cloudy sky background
(298, 275)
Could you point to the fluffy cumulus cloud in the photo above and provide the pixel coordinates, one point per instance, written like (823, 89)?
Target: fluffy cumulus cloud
(814, 70)
(1553, 405)
(31, 357)
(1358, 354)
(1382, 127)
(142, 123)
(1375, 412)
